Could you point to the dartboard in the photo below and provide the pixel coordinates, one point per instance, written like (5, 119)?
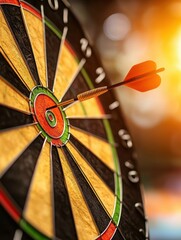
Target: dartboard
(67, 172)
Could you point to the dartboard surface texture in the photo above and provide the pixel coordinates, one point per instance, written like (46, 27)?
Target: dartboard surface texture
(67, 172)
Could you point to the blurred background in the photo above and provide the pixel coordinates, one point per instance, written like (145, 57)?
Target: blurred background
(126, 32)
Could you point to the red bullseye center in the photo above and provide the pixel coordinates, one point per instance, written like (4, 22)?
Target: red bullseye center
(50, 120)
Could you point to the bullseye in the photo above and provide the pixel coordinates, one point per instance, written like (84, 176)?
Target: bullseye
(52, 123)
(51, 119)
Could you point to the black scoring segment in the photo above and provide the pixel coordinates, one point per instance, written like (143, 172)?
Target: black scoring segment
(8, 74)
(64, 222)
(105, 173)
(15, 20)
(18, 177)
(92, 126)
(99, 214)
(10, 117)
(9, 229)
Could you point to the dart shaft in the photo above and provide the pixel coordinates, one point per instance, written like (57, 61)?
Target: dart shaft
(92, 93)
(83, 96)
(62, 103)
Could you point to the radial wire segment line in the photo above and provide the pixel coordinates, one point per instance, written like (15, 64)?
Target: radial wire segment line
(63, 38)
(10, 118)
(97, 209)
(92, 126)
(10, 48)
(53, 40)
(27, 30)
(100, 214)
(44, 36)
(7, 59)
(118, 235)
(95, 181)
(24, 134)
(97, 135)
(33, 174)
(23, 170)
(40, 187)
(18, 235)
(20, 35)
(8, 73)
(65, 30)
(69, 104)
(98, 186)
(52, 186)
(106, 116)
(106, 174)
(80, 66)
(64, 225)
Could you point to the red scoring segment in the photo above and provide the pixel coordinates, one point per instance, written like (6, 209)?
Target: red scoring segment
(8, 205)
(23, 4)
(108, 233)
(51, 121)
(15, 2)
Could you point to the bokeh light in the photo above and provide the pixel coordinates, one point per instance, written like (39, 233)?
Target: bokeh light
(117, 26)
(178, 45)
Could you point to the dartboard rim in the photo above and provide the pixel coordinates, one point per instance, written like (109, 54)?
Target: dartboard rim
(27, 227)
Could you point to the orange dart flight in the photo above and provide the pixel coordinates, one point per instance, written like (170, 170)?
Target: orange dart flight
(142, 77)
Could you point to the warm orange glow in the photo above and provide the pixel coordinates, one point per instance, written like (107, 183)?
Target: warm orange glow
(162, 202)
(178, 50)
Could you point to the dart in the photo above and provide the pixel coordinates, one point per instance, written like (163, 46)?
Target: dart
(141, 77)
(65, 161)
